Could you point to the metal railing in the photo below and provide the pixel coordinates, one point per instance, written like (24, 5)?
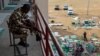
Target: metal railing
(47, 35)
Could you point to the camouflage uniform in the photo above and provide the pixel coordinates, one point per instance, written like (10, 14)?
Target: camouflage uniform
(16, 23)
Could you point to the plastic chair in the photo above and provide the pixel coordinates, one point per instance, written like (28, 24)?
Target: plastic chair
(10, 35)
(13, 37)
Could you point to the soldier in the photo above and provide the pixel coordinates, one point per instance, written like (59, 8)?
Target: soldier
(19, 23)
(85, 36)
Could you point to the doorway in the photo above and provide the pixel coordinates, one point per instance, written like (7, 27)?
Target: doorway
(1, 4)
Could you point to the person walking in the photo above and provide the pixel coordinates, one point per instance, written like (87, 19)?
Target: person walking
(85, 36)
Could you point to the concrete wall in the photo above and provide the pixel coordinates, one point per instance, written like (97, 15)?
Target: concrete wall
(43, 5)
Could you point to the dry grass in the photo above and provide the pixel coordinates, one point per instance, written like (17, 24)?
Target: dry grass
(80, 8)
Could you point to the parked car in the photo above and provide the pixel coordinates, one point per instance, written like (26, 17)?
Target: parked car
(70, 11)
(56, 7)
(65, 7)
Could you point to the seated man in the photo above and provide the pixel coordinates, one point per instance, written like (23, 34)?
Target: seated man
(19, 23)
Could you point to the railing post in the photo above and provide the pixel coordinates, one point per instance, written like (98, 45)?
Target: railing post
(47, 33)
(47, 42)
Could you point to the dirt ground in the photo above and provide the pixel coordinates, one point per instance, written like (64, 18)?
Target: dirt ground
(80, 9)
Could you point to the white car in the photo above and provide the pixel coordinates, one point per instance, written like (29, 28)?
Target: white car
(70, 11)
(65, 7)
